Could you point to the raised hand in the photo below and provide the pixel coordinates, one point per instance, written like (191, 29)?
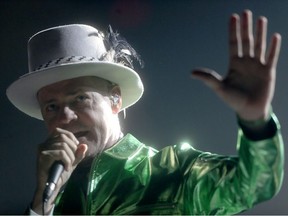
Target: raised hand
(248, 87)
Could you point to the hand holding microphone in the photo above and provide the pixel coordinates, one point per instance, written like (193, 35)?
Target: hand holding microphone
(57, 158)
(53, 177)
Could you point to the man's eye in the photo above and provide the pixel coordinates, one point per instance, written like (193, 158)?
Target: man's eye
(81, 98)
(51, 107)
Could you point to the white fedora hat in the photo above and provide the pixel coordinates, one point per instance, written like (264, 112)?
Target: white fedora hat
(71, 51)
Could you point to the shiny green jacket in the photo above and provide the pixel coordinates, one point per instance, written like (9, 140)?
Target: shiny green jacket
(132, 178)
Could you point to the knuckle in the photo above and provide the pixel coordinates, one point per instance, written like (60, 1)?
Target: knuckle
(62, 136)
(62, 154)
(63, 145)
(70, 133)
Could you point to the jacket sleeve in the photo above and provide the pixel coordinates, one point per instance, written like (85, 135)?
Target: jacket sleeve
(222, 185)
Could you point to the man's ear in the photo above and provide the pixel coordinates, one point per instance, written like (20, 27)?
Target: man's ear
(116, 99)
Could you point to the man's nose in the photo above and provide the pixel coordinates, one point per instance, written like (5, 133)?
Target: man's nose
(66, 115)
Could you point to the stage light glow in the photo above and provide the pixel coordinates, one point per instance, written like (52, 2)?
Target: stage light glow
(185, 145)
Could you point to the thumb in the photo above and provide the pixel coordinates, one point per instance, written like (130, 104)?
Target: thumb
(208, 76)
(80, 153)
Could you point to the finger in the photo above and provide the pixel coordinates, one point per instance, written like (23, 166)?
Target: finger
(61, 142)
(80, 153)
(247, 34)
(273, 55)
(260, 43)
(50, 143)
(52, 150)
(209, 77)
(67, 152)
(71, 143)
(61, 135)
(234, 37)
(67, 133)
(57, 155)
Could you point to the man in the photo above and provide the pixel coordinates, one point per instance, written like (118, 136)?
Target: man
(80, 80)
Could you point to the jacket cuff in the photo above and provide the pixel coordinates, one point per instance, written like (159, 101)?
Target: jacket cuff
(260, 130)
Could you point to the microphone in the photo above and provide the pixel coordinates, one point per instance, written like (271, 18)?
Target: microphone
(53, 177)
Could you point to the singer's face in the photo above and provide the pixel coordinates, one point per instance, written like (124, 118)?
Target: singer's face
(81, 106)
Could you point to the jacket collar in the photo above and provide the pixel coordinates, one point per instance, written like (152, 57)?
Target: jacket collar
(125, 148)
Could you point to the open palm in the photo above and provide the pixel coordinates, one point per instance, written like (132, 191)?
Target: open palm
(248, 87)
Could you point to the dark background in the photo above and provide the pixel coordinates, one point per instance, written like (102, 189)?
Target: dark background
(173, 37)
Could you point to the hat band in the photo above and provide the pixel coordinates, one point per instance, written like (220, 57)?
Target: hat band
(66, 60)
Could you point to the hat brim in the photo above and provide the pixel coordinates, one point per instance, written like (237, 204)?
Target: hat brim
(23, 92)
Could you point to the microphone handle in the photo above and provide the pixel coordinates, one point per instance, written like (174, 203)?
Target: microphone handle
(53, 177)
